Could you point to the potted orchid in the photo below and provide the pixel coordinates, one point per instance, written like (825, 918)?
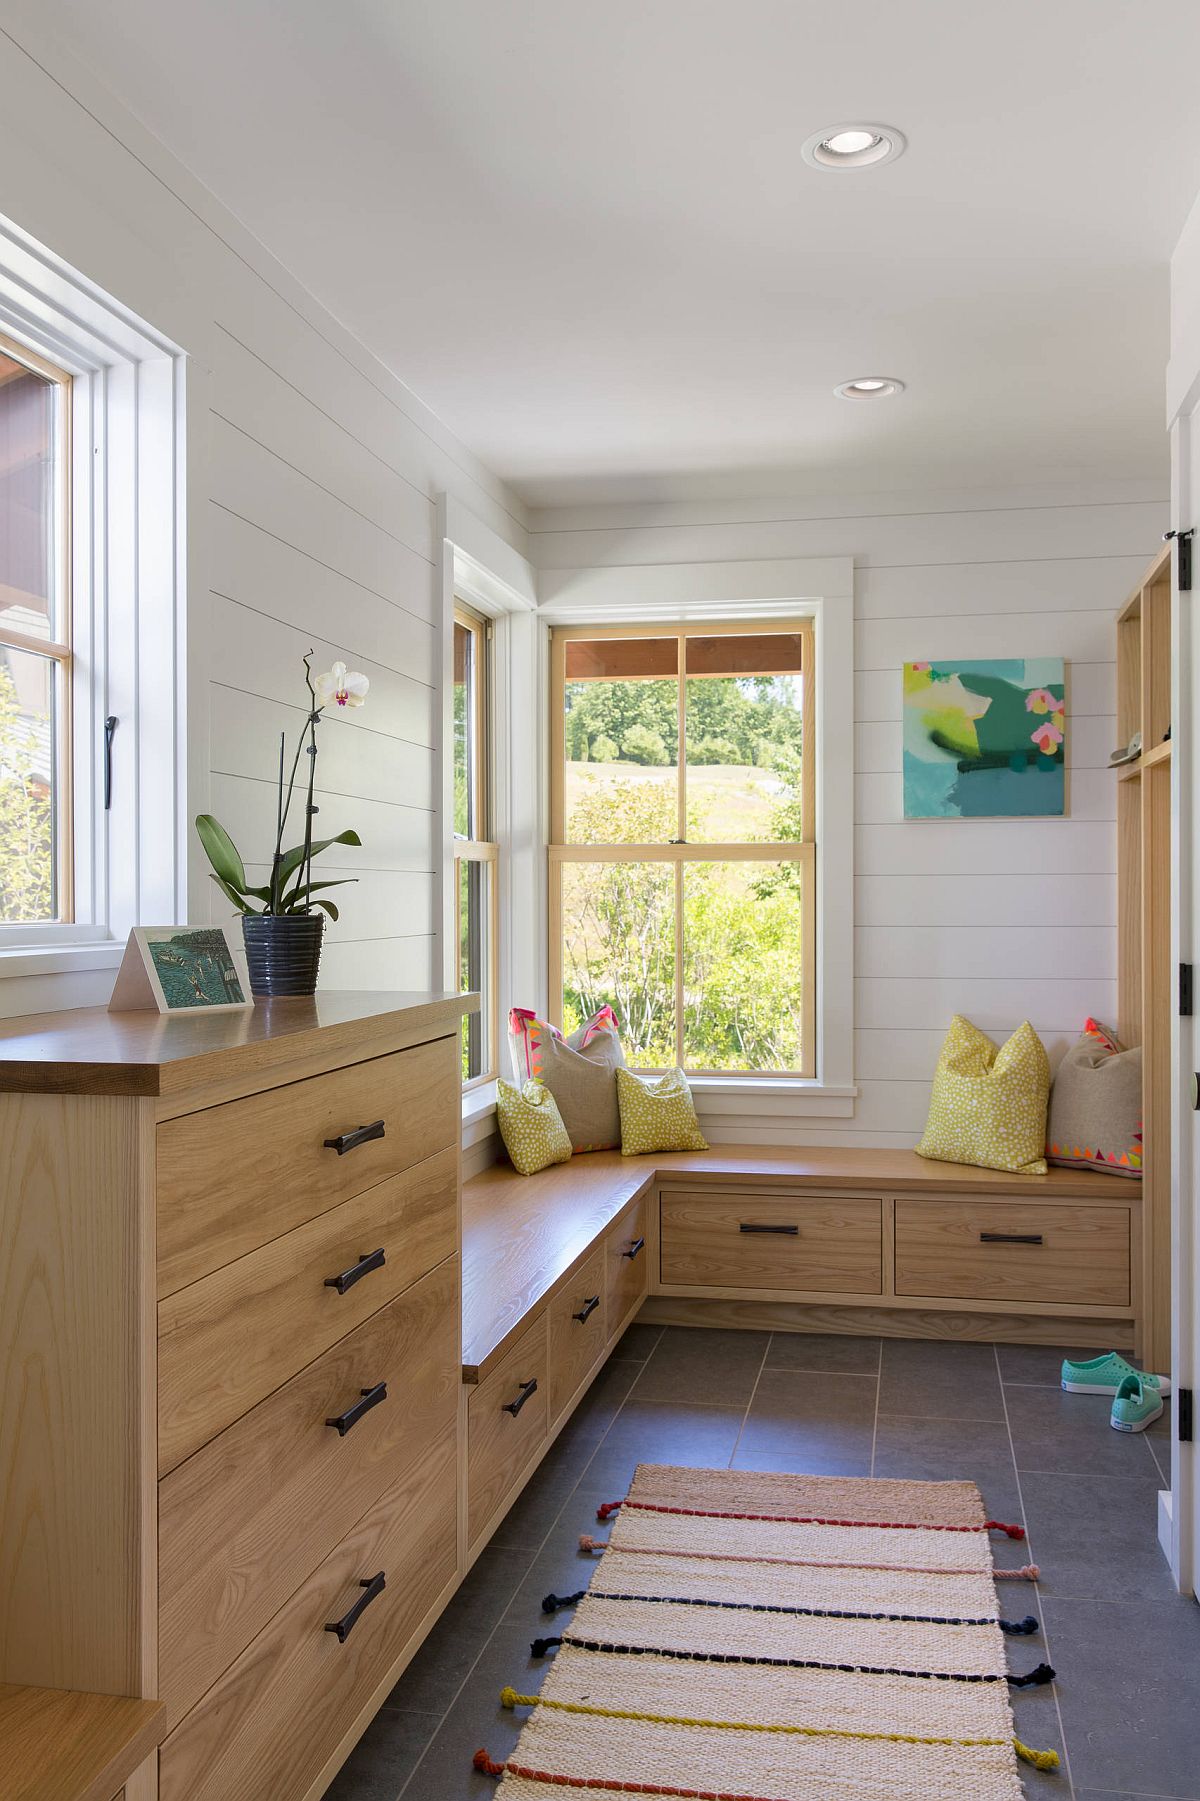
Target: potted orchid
(283, 920)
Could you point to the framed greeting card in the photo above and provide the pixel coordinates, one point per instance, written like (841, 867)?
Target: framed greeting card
(181, 969)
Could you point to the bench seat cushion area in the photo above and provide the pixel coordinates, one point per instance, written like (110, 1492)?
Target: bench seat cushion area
(557, 1265)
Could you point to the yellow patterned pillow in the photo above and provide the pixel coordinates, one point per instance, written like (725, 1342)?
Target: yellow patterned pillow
(657, 1116)
(989, 1106)
(531, 1126)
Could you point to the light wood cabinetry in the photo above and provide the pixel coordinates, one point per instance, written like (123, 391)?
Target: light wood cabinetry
(1010, 1250)
(628, 1263)
(1146, 990)
(578, 1330)
(507, 1419)
(197, 1286)
(805, 1242)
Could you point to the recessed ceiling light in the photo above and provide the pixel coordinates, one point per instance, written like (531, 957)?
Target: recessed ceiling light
(853, 147)
(870, 387)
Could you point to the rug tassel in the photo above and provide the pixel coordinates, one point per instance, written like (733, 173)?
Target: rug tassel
(608, 1507)
(1009, 1531)
(487, 1766)
(552, 1603)
(1028, 1573)
(540, 1646)
(588, 1543)
(1014, 1628)
(1041, 1760)
(509, 1698)
(1035, 1679)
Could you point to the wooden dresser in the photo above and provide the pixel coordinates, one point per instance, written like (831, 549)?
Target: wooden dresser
(230, 1371)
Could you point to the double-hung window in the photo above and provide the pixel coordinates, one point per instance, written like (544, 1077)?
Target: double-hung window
(475, 849)
(682, 857)
(36, 671)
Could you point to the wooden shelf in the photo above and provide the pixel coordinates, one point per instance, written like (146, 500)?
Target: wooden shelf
(1151, 759)
(63, 1745)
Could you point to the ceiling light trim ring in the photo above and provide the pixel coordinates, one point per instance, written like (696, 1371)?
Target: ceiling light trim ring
(883, 145)
(870, 387)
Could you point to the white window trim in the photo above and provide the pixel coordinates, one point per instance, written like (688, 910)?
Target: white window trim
(495, 581)
(823, 591)
(128, 597)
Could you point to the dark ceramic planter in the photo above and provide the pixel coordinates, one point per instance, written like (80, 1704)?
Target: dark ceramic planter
(283, 951)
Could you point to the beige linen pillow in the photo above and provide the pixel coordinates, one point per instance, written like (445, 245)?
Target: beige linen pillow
(579, 1071)
(1096, 1106)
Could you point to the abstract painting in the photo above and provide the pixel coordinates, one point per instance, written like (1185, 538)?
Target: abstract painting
(985, 740)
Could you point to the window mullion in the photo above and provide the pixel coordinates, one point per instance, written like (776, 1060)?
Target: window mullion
(679, 962)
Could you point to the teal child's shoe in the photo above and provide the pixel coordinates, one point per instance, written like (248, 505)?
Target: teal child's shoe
(1104, 1376)
(1136, 1406)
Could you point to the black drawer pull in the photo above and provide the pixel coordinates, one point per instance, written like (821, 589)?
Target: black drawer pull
(1010, 1238)
(527, 1389)
(639, 1244)
(350, 1141)
(367, 1262)
(784, 1231)
(371, 1397)
(586, 1311)
(372, 1587)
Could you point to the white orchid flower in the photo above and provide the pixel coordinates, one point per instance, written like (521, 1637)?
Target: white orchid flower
(345, 687)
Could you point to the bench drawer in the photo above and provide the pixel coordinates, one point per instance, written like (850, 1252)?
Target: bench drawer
(578, 1330)
(507, 1421)
(229, 1340)
(809, 1244)
(266, 1727)
(1013, 1250)
(250, 1516)
(628, 1261)
(234, 1177)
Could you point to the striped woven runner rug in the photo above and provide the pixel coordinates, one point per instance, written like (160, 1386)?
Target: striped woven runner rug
(757, 1637)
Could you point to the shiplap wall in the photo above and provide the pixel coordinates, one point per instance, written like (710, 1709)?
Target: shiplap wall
(313, 477)
(1001, 921)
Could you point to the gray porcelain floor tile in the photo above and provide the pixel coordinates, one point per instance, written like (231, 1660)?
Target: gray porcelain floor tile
(812, 1462)
(461, 1633)
(383, 1759)
(956, 1451)
(663, 1432)
(1129, 1690)
(476, 1719)
(1103, 1794)
(1070, 1434)
(1036, 1722)
(636, 1343)
(831, 1417)
(824, 1351)
(1038, 1364)
(1095, 1537)
(939, 1381)
(713, 1367)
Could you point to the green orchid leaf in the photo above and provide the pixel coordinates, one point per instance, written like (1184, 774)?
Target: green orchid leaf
(221, 851)
(328, 907)
(293, 897)
(291, 860)
(231, 893)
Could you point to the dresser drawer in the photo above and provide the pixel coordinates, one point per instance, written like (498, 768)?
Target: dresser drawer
(265, 1727)
(507, 1416)
(578, 1330)
(244, 1521)
(1013, 1250)
(236, 1176)
(809, 1244)
(229, 1340)
(627, 1260)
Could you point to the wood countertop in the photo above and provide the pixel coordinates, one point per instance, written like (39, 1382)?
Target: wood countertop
(522, 1234)
(92, 1051)
(64, 1745)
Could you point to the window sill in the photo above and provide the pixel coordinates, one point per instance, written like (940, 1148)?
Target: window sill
(478, 1114)
(772, 1098)
(60, 959)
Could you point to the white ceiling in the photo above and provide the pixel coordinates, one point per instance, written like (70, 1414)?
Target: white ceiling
(582, 232)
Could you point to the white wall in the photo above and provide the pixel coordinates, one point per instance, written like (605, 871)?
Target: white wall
(313, 476)
(1001, 921)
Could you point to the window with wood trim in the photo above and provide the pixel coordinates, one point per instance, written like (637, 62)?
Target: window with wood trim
(682, 855)
(475, 849)
(36, 667)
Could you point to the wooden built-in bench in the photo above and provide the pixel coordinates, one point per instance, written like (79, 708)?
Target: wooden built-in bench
(557, 1265)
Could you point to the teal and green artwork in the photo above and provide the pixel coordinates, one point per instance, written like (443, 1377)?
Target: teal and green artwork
(195, 968)
(985, 740)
